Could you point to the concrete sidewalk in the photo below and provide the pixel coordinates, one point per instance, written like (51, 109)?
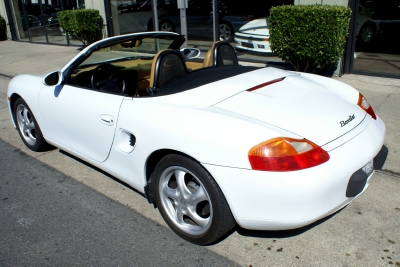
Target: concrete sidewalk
(383, 93)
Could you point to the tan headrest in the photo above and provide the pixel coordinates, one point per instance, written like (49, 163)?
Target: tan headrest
(153, 65)
(208, 58)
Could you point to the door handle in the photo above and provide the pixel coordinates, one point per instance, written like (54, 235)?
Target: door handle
(107, 119)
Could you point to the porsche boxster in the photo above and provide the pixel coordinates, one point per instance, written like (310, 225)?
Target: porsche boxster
(211, 143)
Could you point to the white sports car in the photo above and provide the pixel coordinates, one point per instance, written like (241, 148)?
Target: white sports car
(212, 144)
(254, 36)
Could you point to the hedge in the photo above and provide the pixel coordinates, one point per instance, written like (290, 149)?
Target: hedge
(3, 29)
(309, 37)
(83, 24)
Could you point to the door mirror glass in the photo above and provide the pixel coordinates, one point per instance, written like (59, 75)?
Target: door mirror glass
(188, 53)
(53, 79)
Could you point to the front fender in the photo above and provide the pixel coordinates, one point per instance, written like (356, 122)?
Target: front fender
(27, 87)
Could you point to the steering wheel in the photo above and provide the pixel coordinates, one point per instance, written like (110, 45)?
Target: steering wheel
(101, 70)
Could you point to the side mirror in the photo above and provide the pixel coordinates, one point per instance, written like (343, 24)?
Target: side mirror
(188, 53)
(53, 79)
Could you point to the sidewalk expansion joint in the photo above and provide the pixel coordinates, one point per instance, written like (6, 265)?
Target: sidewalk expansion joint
(389, 172)
(6, 75)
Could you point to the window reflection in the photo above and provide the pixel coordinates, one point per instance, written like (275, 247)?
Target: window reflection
(36, 21)
(235, 18)
(378, 39)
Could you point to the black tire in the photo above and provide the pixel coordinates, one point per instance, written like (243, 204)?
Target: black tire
(166, 26)
(28, 128)
(201, 214)
(226, 32)
(367, 33)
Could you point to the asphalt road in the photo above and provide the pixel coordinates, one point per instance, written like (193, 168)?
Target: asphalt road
(49, 219)
(365, 233)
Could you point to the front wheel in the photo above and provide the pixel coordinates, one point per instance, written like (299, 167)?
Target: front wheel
(167, 26)
(28, 127)
(190, 201)
(367, 33)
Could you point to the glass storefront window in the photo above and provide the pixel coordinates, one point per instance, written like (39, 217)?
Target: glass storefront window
(36, 21)
(133, 16)
(242, 24)
(378, 39)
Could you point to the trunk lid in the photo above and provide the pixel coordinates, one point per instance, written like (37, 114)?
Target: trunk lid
(298, 105)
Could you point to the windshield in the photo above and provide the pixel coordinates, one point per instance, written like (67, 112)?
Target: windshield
(144, 48)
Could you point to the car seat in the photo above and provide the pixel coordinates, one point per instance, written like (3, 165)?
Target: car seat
(167, 65)
(221, 54)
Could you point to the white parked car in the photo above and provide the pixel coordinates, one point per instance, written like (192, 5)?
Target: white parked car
(254, 36)
(214, 147)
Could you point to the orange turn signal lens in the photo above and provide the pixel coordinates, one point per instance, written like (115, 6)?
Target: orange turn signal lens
(286, 154)
(363, 103)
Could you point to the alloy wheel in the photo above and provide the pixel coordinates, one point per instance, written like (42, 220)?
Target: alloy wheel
(166, 27)
(26, 124)
(225, 32)
(185, 200)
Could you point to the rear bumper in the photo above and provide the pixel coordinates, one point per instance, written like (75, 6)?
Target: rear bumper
(285, 200)
(359, 178)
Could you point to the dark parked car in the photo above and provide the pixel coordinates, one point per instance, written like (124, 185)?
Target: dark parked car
(29, 21)
(49, 15)
(199, 17)
(384, 24)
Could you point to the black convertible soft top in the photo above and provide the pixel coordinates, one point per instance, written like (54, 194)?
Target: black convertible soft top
(202, 77)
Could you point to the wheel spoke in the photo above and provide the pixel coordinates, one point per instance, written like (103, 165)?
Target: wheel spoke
(25, 114)
(171, 193)
(199, 196)
(23, 127)
(20, 116)
(179, 215)
(202, 222)
(30, 125)
(180, 180)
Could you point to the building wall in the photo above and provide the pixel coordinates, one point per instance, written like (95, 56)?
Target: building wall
(3, 13)
(325, 2)
(98, 5)
(322, 2)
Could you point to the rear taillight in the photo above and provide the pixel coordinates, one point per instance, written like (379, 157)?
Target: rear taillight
(286, 154)
(363, 103)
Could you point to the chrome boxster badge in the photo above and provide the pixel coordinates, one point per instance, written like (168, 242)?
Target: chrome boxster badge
(343, 123)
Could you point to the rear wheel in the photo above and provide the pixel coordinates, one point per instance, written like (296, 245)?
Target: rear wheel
(28, 127)
(226, 32)
(190, 201)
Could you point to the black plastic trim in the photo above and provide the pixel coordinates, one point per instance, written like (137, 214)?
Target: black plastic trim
(380, 159)
(356, 183)
(251, 38)
(148, 193)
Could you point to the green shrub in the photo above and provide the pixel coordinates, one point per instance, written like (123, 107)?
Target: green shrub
(83, 24)
(3, 29)
(310, 37)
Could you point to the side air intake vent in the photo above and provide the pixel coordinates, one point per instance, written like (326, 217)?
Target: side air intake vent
(125, 141)
(132, 140)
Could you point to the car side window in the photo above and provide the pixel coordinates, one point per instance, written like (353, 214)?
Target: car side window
(122, 68)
